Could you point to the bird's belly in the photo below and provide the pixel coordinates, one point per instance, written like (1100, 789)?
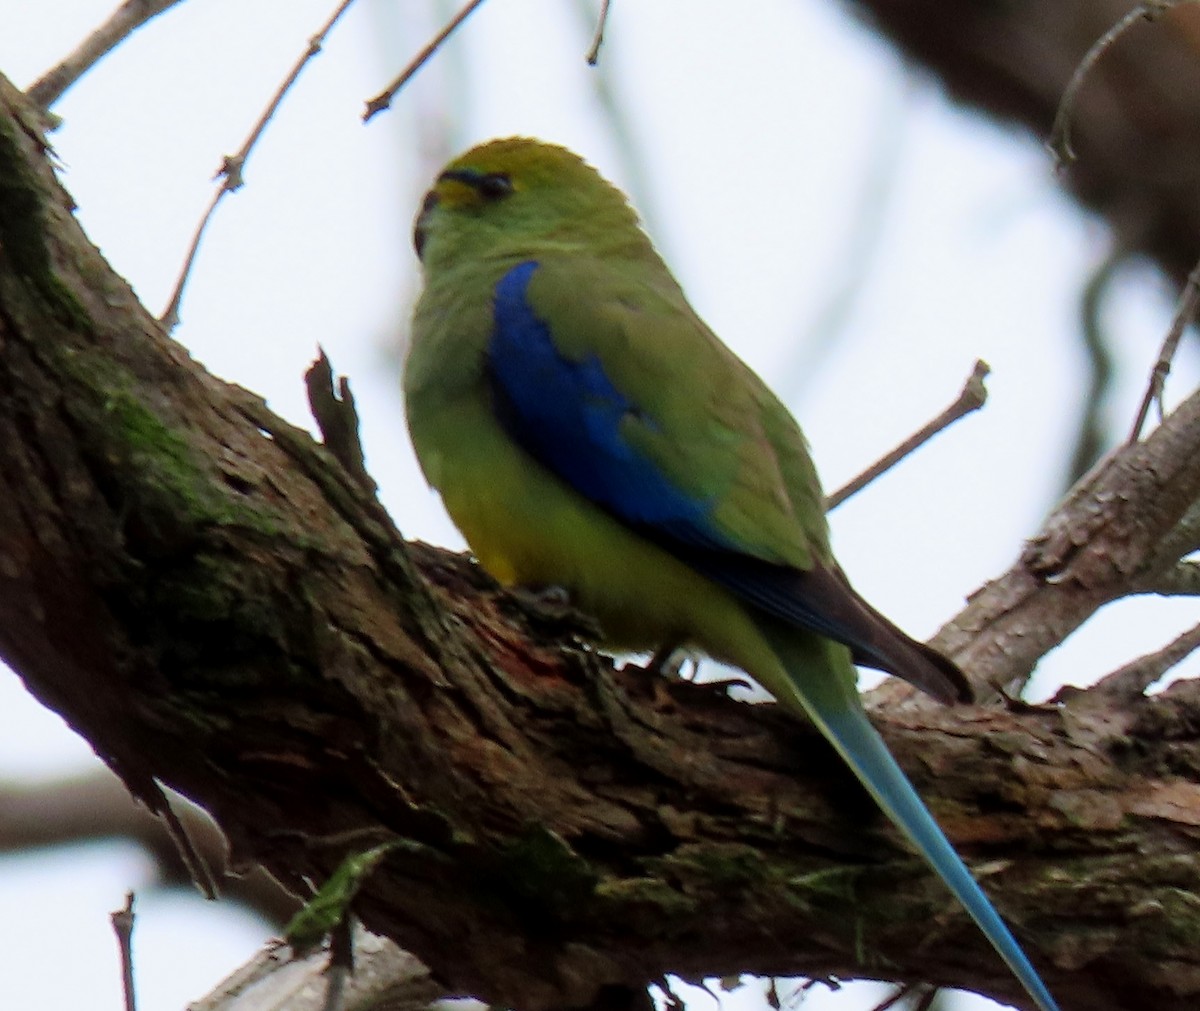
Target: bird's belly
(527, 528)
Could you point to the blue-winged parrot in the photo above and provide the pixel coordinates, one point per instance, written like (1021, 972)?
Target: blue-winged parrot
(587, 430)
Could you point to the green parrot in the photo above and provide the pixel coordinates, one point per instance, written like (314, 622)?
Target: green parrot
(587, 430)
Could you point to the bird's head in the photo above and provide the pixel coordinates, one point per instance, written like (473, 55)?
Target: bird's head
(516, 196)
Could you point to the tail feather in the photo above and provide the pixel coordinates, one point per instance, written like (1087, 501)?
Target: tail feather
(851, 733)
(892, 650)
(821, 600)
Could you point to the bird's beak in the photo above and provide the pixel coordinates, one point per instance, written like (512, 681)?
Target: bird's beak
(421, 225)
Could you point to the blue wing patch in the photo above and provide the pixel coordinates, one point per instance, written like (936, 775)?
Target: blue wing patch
(567, 415)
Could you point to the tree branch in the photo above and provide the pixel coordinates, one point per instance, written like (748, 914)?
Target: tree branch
(122, 23)
(1181, 580)
(1131, 681)
(1103, 542)
(98, 806)
(202, 593)
(971, 398)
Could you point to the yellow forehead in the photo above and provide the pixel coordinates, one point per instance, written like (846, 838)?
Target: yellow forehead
(455, 193)
(525, 161)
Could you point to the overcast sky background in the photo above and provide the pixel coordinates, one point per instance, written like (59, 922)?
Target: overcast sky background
(786, 155)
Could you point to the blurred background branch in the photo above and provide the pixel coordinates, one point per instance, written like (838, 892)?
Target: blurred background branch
(97, 806)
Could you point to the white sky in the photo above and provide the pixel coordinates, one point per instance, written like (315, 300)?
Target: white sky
(772, 135)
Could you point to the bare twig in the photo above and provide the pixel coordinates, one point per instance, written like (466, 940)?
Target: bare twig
(1092, 437)
(384, 99)
(122, 23)
(925, 1000)
(902, 994)
(1059, 142)
(122, 924)
(1185, 313)
(170, 316)
(593, 53)
(1132, 680)
(625, 138)
(341, 963)
(230, 172)
(972, 397)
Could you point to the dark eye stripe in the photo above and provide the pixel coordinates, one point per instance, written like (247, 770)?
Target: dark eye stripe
(489, 185)
(495, 185)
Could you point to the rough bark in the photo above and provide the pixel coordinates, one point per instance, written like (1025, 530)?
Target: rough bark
(1135, 126)
(1107, 537)
(202, 593)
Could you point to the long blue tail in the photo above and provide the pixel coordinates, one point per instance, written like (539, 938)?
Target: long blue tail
(820, 679)
(849, 730)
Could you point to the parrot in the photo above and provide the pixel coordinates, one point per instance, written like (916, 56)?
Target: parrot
(588, 432)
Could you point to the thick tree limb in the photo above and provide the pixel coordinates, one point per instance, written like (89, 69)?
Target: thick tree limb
(205, 596)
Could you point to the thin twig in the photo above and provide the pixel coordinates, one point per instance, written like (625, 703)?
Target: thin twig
(170, 316)
(593, 53)
(1132, 680)
(335, 988)
(661, 988)
(341, 963)
(903, 992)
(925, 1001)
(1059, 142)
(122, 23)
(625, 138)
(230, 172)
(122, 924)
(1185, 313)
(384, 99)
(972, 397)
(1092, 437)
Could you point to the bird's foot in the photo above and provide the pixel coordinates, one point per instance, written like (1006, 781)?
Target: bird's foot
(1015, 704)
(551, 608)
(668, 664)
(546, 599)
(667, 661)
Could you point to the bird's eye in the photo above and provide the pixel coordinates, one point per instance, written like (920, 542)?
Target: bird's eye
(494, 185)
